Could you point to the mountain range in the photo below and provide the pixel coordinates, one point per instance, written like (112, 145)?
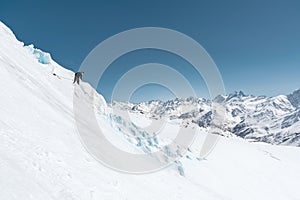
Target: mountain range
(273, 120)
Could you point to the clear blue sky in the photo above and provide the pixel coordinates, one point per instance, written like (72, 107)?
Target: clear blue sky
(255, 44)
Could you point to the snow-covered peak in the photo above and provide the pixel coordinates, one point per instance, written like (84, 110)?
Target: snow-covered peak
(235, 94)
(294, 98)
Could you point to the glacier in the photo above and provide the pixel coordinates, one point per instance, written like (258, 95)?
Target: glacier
(42, 157)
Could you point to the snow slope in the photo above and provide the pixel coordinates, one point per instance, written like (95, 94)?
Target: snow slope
(41, 156)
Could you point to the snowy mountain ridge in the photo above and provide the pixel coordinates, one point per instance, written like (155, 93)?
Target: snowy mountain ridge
(273, 120)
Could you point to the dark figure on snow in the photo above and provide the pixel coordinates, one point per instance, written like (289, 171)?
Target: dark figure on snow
(78, 75)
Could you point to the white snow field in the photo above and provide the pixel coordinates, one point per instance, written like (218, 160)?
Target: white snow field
(42, 157)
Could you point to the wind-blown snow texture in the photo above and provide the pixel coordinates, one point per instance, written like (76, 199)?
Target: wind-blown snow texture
(41, 156)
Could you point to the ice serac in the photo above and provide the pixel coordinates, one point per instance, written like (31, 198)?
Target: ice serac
(41, 56)
(42, 157)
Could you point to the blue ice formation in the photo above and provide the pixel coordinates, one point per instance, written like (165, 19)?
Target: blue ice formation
(41, 56)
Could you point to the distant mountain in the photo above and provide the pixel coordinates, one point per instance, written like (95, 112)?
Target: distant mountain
(273, 120)
(294, 98)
